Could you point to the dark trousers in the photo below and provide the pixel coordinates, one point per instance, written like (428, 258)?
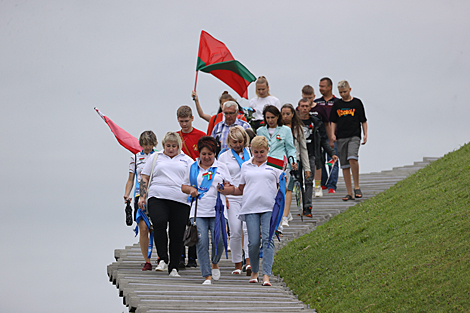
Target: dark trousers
(163, 212)
(191, 253)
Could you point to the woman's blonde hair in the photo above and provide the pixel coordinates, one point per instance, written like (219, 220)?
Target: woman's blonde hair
(174, 137)
(238, 133)
(259, 142)
(262, 80)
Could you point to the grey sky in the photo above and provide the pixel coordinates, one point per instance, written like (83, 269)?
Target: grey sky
(62, 171)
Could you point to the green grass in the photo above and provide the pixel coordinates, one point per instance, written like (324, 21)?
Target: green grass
(405, 250)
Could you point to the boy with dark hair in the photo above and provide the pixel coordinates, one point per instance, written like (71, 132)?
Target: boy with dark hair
(318, 111)
(347, 116)
(189, 137)
(315, 135)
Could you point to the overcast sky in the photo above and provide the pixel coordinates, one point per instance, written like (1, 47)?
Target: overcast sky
(63, 173)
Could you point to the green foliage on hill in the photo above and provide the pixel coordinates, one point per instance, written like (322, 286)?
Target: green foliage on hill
(405, 250)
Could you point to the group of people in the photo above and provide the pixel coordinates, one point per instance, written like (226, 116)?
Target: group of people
(229, 164)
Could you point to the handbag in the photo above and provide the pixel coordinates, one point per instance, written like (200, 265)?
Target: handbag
(190, 236)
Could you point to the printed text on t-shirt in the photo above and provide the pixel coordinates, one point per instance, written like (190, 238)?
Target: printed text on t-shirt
(342, 112)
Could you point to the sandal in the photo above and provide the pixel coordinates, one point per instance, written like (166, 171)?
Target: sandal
(358, 193)
(248, 270)
(267, 283)
(347, 197)
(237, 271)
(253, 281)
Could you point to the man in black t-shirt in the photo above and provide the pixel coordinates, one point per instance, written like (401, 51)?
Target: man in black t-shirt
(346, 117)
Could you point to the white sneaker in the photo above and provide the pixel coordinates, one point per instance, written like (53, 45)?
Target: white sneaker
(215, 274)
(161, 267)
(174, 273)
(318, 192)
(285, 222)
(207, 282)
(290, 218)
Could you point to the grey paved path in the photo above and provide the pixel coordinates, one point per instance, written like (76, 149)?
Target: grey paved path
(156, 292)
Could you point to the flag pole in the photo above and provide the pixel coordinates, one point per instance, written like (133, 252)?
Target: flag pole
(195, 84)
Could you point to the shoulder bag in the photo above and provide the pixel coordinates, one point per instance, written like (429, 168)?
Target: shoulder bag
(190, 237)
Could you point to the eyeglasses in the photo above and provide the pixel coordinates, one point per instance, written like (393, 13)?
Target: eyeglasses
(230, 113)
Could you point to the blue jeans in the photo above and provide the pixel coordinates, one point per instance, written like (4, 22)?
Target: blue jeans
(334, 173)
(253, 223)
(204, 224)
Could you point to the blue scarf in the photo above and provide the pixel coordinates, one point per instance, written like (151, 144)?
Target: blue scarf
(142, 216)
(246, 156)
(206, 181)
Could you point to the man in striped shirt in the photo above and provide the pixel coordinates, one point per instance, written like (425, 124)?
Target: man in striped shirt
(220, 131)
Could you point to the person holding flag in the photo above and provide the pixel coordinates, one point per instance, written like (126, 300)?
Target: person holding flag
(315, 134)
(167, 205)
(148, 141)
(215, 119)
(204, 180)
(234, 157)
(259, 184)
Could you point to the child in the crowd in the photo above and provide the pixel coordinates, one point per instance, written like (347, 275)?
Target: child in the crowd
(148, 141)
(262, 99)
(347, 116)
(189, 138)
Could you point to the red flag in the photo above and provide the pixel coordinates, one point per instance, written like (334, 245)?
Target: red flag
(216, 59)
(124, 138)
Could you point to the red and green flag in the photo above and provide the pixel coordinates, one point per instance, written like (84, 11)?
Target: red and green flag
(331, 163)
(214, 58)
(277, 163)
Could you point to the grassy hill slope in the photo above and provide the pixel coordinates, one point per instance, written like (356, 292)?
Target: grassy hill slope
(405, 250)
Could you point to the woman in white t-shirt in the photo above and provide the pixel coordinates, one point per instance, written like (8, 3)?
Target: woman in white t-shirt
(258, 184)
(201, 180)
(147, 141)
(167, 205)
(234, 157)
(262, 99)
